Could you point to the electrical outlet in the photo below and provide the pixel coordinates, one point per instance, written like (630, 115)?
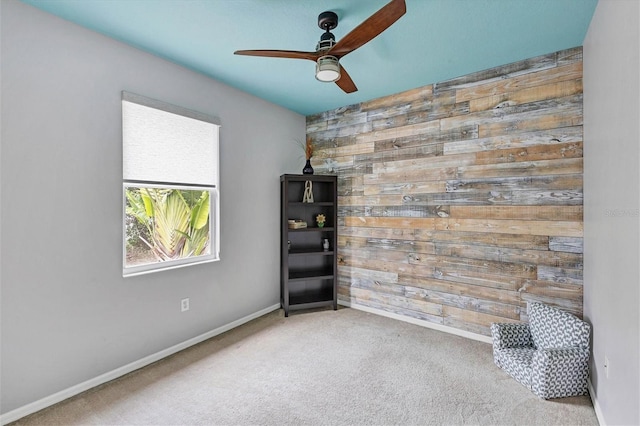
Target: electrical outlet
(184, 305)
(606, 366)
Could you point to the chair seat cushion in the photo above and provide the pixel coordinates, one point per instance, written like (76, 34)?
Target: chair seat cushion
(517, 362)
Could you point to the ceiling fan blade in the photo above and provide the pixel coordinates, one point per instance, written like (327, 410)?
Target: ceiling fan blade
(345, 82)
(370, 28)
(290, 54)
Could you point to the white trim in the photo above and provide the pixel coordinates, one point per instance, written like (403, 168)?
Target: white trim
(416, 321)
(596, 406)
(150, 268)
(45, 402)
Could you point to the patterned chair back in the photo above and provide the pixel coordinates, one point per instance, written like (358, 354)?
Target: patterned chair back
(555, 328)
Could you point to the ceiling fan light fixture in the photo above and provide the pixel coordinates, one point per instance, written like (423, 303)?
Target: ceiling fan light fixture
(327, 69)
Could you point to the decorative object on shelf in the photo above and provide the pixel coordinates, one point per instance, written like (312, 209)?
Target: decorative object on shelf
(320, 219)
(308, 170)
(325, 244)
(308, 192)
(308, 153)
(297, 224)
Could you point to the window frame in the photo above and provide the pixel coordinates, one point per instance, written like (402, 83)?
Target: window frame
(210, 183)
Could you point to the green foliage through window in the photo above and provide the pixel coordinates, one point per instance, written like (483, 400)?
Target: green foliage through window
(164, 224)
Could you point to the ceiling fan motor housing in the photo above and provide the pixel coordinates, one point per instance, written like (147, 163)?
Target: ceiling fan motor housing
(328, 20)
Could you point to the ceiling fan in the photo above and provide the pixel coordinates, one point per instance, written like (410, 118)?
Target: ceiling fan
(328, 53)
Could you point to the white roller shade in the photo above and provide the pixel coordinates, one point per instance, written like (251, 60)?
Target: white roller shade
(166, 143)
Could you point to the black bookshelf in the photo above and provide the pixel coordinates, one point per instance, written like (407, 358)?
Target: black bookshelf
(308, 276)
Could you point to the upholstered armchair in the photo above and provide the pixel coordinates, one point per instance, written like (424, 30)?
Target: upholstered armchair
(549, 355)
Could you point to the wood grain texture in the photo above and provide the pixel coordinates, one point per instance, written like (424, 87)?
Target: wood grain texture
(517, 83)
(531, 94)
(515, 140)
(460, 202)
(563, 213)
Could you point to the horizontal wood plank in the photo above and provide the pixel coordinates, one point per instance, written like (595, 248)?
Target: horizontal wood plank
(566, 244)
(563, 213)
(515, 240)
(511, 140)
(508, 226)
(404, 246)
(543, 77)
(503, 254)
(425, 163)
(529, 94)
(478, 292)
(406, 188)
(496, 197)
(524, 168)
(532, 153)
(402, 98)
(517, 183)
(391, 222)
(506, 71)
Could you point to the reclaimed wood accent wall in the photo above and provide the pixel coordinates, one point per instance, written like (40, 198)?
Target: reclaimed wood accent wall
(462, 200)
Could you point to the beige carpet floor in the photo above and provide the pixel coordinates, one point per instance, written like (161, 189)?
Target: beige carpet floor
(344, 367)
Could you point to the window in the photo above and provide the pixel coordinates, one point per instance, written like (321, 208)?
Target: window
(170, 186)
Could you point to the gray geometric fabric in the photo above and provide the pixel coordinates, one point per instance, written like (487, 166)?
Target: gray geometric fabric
(568, 330)
(512, 335)
(518, 362)
(525, 352)
(557, 373)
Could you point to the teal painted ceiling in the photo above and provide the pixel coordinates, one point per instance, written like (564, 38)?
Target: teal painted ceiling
(436, 40)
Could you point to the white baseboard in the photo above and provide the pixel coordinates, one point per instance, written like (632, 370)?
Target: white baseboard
(416, 321)
(596, 406)
(33, 407)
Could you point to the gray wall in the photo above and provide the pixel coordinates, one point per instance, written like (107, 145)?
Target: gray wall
(612, 139)
(67, 313)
